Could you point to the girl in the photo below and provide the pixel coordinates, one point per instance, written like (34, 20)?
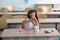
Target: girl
(32, 22)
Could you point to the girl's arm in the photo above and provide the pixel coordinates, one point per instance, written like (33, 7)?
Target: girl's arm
(35, 21)
(25, 22)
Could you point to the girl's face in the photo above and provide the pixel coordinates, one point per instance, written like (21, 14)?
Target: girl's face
(32, 15)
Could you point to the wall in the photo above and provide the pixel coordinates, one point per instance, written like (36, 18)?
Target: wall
(17, 3)
(48, 2)
(20, 3)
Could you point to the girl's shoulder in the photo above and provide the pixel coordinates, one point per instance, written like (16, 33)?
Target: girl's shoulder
(27, 19)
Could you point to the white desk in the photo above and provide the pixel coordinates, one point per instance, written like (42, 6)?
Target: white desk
(25, 13)
(46, 20)
(14, 34)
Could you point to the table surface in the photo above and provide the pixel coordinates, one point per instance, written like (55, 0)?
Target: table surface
(31, 33)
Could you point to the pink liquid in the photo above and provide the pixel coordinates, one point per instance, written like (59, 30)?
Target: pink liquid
(26, 29)
(20, 30)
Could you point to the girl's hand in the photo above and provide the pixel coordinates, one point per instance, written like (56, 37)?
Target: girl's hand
(35, 21)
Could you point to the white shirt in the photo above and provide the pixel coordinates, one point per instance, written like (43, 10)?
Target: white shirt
(30, 25)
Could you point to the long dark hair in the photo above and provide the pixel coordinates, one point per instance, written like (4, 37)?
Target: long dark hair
(30, 12)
